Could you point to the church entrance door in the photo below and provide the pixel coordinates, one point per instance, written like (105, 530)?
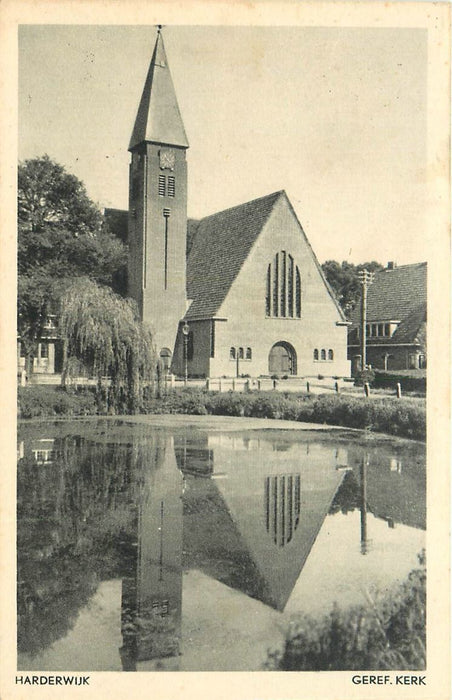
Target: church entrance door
(282, 359)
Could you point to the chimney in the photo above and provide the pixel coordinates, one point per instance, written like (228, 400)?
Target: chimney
(391, 265)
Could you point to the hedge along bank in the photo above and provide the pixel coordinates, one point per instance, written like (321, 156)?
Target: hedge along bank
(400, 417)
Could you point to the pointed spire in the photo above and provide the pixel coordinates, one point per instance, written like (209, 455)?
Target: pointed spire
(158, 118)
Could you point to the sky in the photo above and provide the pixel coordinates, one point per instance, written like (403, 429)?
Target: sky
(335, 116)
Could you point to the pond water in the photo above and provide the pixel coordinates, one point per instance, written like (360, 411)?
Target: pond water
(170, 548)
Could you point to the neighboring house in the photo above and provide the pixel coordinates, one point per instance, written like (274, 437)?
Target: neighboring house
(244, 283)
(396, 320)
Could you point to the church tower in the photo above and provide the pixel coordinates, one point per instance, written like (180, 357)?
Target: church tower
(158, 206)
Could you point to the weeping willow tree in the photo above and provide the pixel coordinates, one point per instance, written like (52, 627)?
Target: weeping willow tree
(103, 336)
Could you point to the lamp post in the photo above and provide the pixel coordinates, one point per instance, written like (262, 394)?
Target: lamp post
(365, 279)
(185, 331)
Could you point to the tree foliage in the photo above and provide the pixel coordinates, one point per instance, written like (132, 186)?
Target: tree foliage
(60, 236)
(343, 279)
(48, 196)
(103, 333)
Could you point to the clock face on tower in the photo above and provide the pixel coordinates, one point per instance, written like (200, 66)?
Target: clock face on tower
(167, 159)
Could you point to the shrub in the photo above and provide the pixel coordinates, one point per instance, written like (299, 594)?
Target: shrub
(44, 401)
(365, 376)
(409, 380)
(385, 634)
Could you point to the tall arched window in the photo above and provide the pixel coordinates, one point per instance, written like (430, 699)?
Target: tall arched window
(232, 354)
(323, 354)
(283, 287)
(316, 354)
(330, 355)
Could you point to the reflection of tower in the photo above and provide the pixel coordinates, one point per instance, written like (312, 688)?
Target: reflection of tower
(152, 595)
(282, 507)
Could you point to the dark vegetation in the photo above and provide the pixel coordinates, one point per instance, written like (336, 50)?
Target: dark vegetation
(61, 237)
(344, 280)
(410, 380)
(386, 633)
(402, 417)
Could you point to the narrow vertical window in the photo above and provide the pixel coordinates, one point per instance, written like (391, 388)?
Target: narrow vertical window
(171, 186)
(190, 346)
(212, 338)
(232, 354)
(162, 186)
(241, 354)
(330, 354)
(283, 286)
(298, 293)
(166, 214)
(323, 354)
(268, 292)
(316, 354)
(248, 354)
(275, 285)
(290, 287)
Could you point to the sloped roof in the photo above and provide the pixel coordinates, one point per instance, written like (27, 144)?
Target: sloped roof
(158, 118)
(412, 326)
(220, 247)
(396, 293)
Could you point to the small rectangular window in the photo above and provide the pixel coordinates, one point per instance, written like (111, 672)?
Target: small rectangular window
(162, 185)
(44, 351)
(171, 186)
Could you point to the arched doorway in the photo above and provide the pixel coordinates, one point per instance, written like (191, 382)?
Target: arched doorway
(282, 359)
(165, 356)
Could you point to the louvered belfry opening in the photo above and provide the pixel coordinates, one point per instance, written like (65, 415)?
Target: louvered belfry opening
(283, 287)
(282, 507)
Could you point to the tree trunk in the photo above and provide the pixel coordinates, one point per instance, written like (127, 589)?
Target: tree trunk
(65, 366)
(29, 361)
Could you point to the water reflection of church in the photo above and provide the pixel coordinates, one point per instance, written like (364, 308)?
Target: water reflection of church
(251, 534)
(243, 509)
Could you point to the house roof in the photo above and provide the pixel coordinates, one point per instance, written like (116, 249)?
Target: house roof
(158, 118)
(412, 326)
(396, 293)
(219, 248)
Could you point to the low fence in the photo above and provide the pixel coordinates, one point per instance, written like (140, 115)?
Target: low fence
(240, 384)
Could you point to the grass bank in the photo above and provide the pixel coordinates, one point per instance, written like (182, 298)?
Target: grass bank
(401, 417)
(386, 634)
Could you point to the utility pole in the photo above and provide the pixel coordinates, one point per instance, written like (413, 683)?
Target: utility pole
(363, 475)
(365, 279)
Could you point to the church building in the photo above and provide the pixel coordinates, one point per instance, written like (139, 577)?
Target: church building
(239, 292)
